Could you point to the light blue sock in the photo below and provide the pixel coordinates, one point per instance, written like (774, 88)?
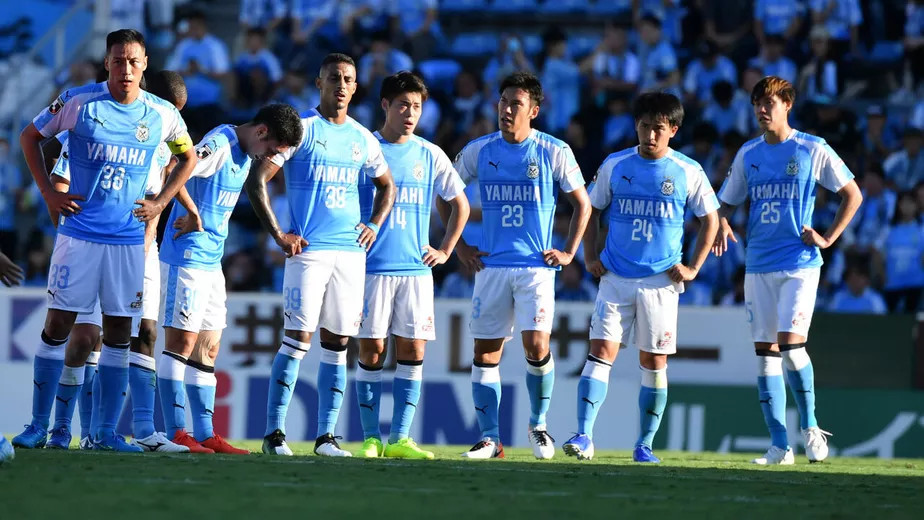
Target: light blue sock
(486, 393)
(652, 400)
(406, 392)
(331, 386)
(46, 372)
(369, 395)
(95, 408)
(283, 377)
(172, 392)
(66, 398)
(772, 392)
(142, 382)
(113, 386)
(595, 378)
(540, 379)
(85, 399)
(200, 388)
(801, 376)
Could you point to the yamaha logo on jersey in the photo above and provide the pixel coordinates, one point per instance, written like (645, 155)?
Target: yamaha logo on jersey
(418, 171)
(356, 152)
(667, 187)
(532, 171)
(56, 105)
(142, 133)
(792, 169)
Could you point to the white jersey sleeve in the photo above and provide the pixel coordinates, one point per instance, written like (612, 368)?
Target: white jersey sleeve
(375, 165)
(446, 181)
(466, 162)
(734, 190)
(62, 168)
(701, 197)
(212, 156)
(565, 169)
(59, 116)
(280, 158)
(829, 169)
(602, 194)
(175, 133)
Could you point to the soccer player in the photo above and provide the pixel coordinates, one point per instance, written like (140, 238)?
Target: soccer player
(193, 282)
(517, 169)
(326, 247)
(115, 129)
(778, 172)
(399, 283)
(646, 189)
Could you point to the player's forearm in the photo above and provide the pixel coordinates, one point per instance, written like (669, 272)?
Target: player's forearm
(259, 199)
(591, 254)
(150, 232)
(30, 141)
(183, 198)
(458, 216)
(177, 178)
(383, 202)
(704, 240)
(579, 218)
(725, 211)
(851, 198)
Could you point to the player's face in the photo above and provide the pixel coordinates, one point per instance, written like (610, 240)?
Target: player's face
(337, 84)
(771, 112)
(264, 146)
(126, 65)
(654, 135)
(515, 110)
(402, 114)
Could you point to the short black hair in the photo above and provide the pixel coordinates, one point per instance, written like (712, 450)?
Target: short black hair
(195, 14)
(526, 81)
(124, 37)
(256, 31)
(282, 121)
(723, 91)
(167, 85)
(336, 58)
(400, 83)
(705, 132)
(658, 105)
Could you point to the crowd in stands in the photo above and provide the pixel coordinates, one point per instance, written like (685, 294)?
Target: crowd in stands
(858, 67)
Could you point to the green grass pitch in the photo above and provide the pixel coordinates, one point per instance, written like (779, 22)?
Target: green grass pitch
(44, 484)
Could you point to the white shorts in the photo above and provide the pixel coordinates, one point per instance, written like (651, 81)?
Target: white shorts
(781, 301)
(91, 318)
(194, 299)
(505, 296)
(150, 305)
(86, 274)
(626, 306)
(399, 305)
(324, 289)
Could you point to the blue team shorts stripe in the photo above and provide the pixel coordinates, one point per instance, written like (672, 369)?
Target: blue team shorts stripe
(170, 300)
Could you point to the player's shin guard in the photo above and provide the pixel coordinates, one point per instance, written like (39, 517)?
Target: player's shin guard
(85, 399)
(331, 386)
(142, 382)
(595, 378)
(652, 400)
(801, 376)
(172, 392)
(772, 392)
(406, 392)
(69, 386)
(113, 384)
(540, 378)
(283, 377)
(369, 394)
(46, 372)
(200, 389)
(486, 392)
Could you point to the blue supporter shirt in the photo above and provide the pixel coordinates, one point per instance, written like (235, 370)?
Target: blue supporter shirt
(322, 181)
(904, 252)
(700, 77)
(647, 200)
(777, 15)
(420, 170)
(781, 180)
(518, 195)
(214, 186)
(846, 14)
(111, 148)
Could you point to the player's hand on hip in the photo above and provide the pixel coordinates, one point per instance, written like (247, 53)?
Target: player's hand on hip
(187, 224)
(434, 257)
(10, 273)
(681, 273)
(147, 209)
(810, 237)
(62, 203)
(596, 268)
(470, 256)
(367, 236)
(556, 258)
(720, 246)
(291, 244)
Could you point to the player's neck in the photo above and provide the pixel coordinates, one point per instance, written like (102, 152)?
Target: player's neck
(240, 132)
(777, 136)
(393, 137)
(654, 156)
(517, 137)
(335, 115)
(125, 98)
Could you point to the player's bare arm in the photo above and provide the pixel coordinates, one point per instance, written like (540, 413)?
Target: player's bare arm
(458, 212)
(579, 218)
(591, 251)
(190, 223)
(58, 203)
(468, 254)
(385, 192)
(261, 172)
(851, 198)
(186, 162)
(725, 232)
(709, 227)
(10, 273)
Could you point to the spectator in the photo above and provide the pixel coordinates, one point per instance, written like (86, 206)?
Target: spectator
(773, 62)
(919, 197)
(263, 14)
(903, 255)
(619, 128)
(832, 123)
(820, 75)
(315, 32)
(510, 58)
(572, 286)
(735, 297)
(561, 83)
(841, 19)
(258, 71)
(359, 18)
(873, 217)
(727, 111)
(857, 297)
(705, 71)
(415, 25)
(914, 42)
(729, 24)
(657, 57)
(905, 168)
(696, 293)
(297, 91)
(703, 150)
(587, 156)
(611, 66)
(879, 138)
(467, 106)
(459, 284)
(11, 190)
(38, 256)
(782, 18)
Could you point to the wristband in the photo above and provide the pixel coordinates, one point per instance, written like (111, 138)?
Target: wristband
(373, 226)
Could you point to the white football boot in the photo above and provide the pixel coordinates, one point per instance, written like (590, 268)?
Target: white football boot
(485, 449)
(543, 443)
(327, 446)
(776, 456)
(275, 444)
(159, 442)
(816, 443)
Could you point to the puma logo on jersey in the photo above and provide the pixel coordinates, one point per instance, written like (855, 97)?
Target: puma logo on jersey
(321, 143)
(494, 164)
(628, 179)
(98, 121)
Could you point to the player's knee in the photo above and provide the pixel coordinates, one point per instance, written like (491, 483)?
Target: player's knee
(180, 343)
(79, 346)
(334, 339)
(58, 324)
(147, 338)
(652, 361)
(372, 352)
(605, 350)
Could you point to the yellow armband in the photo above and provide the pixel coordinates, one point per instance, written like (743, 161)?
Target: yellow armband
(180, 145)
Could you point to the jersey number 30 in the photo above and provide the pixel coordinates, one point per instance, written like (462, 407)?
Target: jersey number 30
(512, 215)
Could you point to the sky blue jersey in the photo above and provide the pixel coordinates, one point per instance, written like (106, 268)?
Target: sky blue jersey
(111, 148)
(322, 180)
(420, 169)
(781, 180)
(647, 200)
(214, 186)
(518, 195)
